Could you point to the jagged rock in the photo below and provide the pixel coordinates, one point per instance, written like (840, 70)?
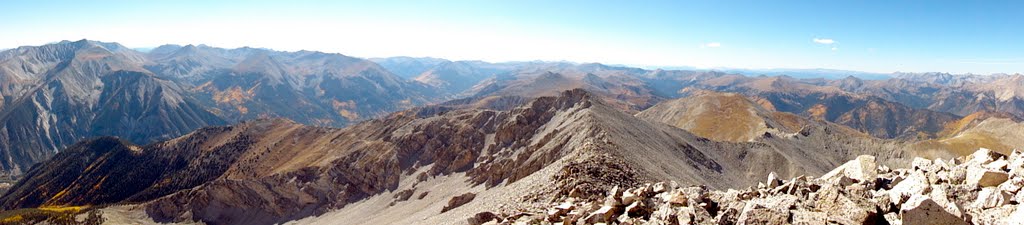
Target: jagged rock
(940, 194)
(892, 181)
(921, 164)
(762, 216)
(638, 209)
(659, 187)
(773, 180)
(606, 214)
(1012, 185)
(915, 183)
(984, 177)
(555, 214)
(629, 197)
(940, 165)
(687, 215)
(458, 201)
(995, 215)
(841, 208)
(863, 168)
(615, 192)
(921, 209)
(893, 219)
(981, 157)
(678, 199)
(928, 194)
(572, 217)
(772, 210)
(614, 198)
(999, 165)
(991, 197)
(728, 216)
(665, 214)
(957, 174)
(1016, 163)
(482, 218)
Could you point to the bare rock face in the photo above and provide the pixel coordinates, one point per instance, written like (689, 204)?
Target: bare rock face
(879, 196)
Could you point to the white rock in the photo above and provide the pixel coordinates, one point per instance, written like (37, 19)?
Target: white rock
(994, 215)
(1016, 166)
(1012, 185)
(629, 197)
(981, 157)
(773, 180)
(659, 187)
(559, 211)
(939, 194)
(957, 174)
(604, 214)
(1019, 198)
(999, 165)
(1017, 217)
(915, 184)
(984, 177)
(939, 163)
(921, 163)
(991, 197)
(895, 180)
(863, 168)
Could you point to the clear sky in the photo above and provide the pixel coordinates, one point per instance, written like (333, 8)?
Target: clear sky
(875, 36)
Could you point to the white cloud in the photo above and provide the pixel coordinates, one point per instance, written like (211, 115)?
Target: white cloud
(713, 45)
(824, 41)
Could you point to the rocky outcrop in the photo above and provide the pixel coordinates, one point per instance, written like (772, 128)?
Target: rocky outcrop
(458, 201)
(858, 192)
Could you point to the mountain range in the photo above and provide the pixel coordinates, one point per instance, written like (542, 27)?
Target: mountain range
(55, 95)
(195, 133)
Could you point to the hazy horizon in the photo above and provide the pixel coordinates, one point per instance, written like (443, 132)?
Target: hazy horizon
(874, 36)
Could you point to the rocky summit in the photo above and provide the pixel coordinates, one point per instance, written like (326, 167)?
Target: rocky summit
(981, 188)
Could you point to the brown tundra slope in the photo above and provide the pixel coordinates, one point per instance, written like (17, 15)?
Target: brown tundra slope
(736, 118)
(425, 165)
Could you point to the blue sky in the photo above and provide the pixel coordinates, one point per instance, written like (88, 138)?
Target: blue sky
(875, 36)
